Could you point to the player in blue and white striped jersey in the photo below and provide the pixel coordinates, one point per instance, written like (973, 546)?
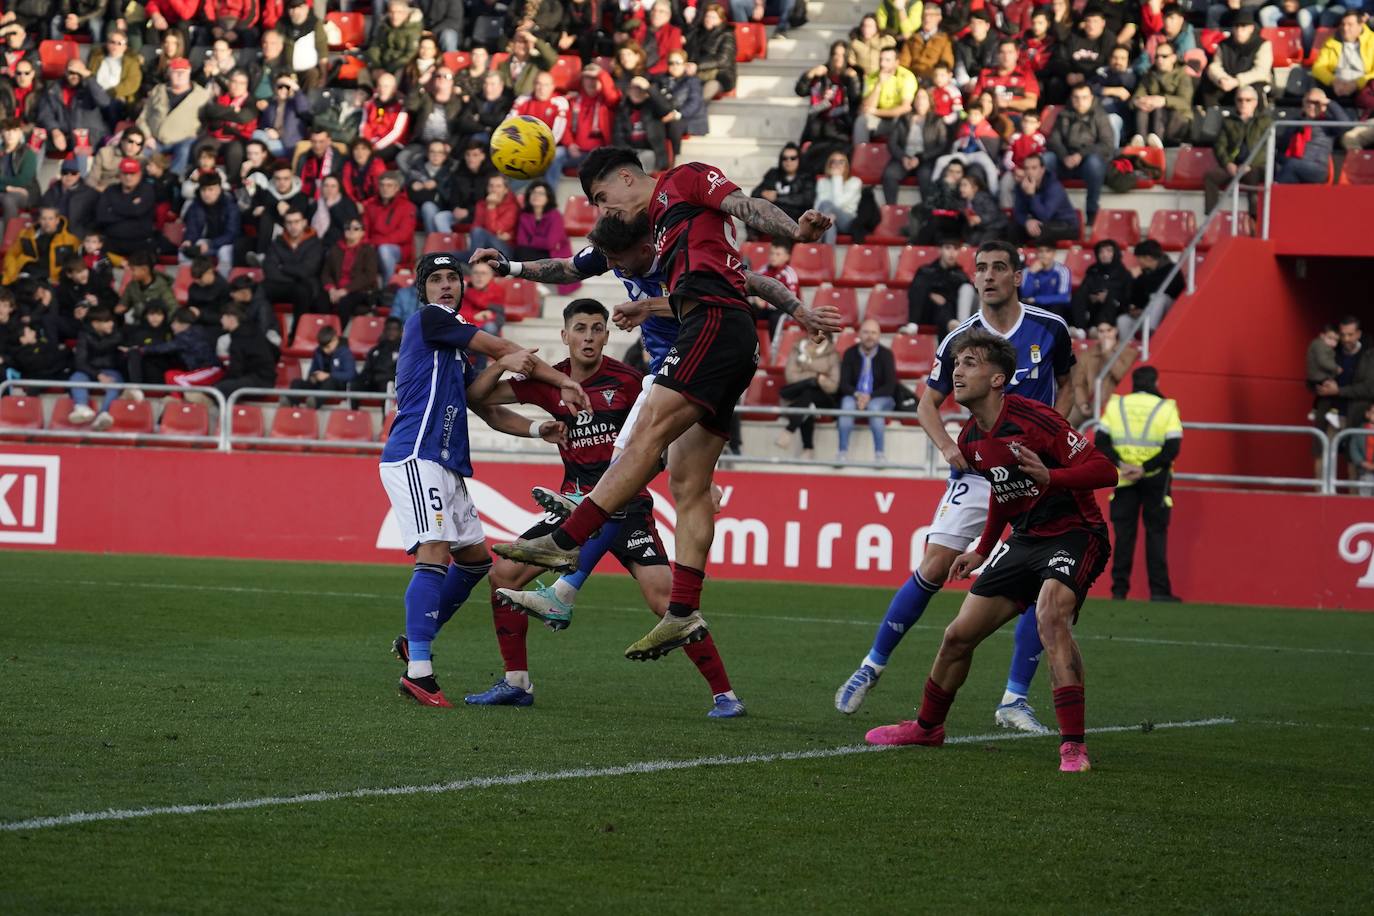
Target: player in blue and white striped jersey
(1044, 359)
(426, 460)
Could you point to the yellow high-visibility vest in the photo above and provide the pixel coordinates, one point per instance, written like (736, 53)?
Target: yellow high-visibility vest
(1139, 423)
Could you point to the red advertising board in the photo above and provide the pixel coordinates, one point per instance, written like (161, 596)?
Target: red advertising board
(1225, 546)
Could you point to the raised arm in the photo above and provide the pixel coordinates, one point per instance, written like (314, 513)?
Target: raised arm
(499, 347)
(767, 218)
(823, 320)
(488, 389)
(548, 270)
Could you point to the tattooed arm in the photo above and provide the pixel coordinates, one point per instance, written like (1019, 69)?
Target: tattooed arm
(763, 216)
(822, 320)
(549, 270)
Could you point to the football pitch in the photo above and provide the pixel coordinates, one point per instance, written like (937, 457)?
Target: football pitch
(214, 736)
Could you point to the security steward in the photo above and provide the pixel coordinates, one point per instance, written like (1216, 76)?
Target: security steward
(1141, 433)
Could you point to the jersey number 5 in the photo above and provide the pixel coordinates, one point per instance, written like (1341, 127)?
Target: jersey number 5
(435, 502)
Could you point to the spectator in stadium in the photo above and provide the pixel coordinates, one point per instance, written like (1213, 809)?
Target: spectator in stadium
(888, 94)
(150, 332)
(281, 124)
(630, 61)
(395, 39)
(293, 266)
(470, 180)
(390, 222)
(1026, 141)
(98, 359)
(866, 44)
(1322, 366)
(984, 220)
(785, 185)
(927, 46)
(591, 119)
(838, 194)
(528, 56)
(320, 159)
(207, 166)
(1243, 59)
(660, 37)
(1089, 366)
(976, 144)
(78, 293)
(779, 267)
(469, 81)
(37, 356)
(583, 34)
(711, 52)
(21, 98)
(429, 182)
(386, 123)
(333, 211)
(379, 368)
(171, 114)
(419, 74)
(252, 358)
(1039, 41)
(434, 113)
(976, 51)
(1176, 30)
(229, 121)
(543, 103)
(639, 123)
(18, 171)
(351, 273)
(941, 293)
(485, 112)
(540, 233)
(307, 47)
(913, 146)
(1360, 453)
(1241, 133)
(688, 115)
(73, 109)
(45, 245)
(484, 302)
(1154, 268)
(332, 367)
(270, 206)
(72, 197)
(1046, 283)
(494, 219)
(1012, 84)
(361, 172)
(1305, 152)
(1105, 293)
(1042, 211)
(868, 380)
(1346, 61)
(247, 295)
(188, 358)
(899, 18)
(1081, 56)
(832, 91)
(1163, 101)
(940, 213)
(125, 213)
(209, 291)
(212, 225)
(1081, 144)
(104, 165)
(145, 285)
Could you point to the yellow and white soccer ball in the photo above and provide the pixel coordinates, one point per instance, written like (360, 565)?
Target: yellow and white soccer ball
(522, 147)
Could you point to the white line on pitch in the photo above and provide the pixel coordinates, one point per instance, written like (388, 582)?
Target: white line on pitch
(520, 779)
(1137, 640)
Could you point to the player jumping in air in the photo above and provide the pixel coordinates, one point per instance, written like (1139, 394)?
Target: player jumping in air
(425, 461)
(626, 249)
(1042, 475)
(612, 388)
(694, 394)
(1044, 353)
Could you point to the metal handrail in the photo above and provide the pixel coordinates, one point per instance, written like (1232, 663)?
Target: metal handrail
(1187, 259)
(1332, 458)
(101, 436)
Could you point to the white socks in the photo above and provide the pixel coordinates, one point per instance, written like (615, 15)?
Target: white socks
(565, 591)
(874, 664)
(520, 679)
(1009, 697)
(416, 669)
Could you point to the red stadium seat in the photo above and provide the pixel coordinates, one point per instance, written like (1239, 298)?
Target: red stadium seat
(967, 257)
(869, 161)
(347, 426)
(751, 41)
(181, 418)
(1358, 168)
(914, 354)
(246, 422)
(175, 233)
(308, 334)
(1320, 36)
(522, 300)
(131, 416)
(288, 370)
(387, 424)
(457, 61)
(842, 298)
(765, 345)
(440, 242)
(60, 409)
(1210, 39)
(1173, 229)
(864, 265)
(787, 342)
(579, 216)
(1078, 261)
(755, 254)
(181, 283)
(363, 334)
(20, 412)
(352, 31)
(402, 279)
(14, 227)
(888, 307)
(1192, 163)
(1152, 155)
(1047, 117)
(1221, 227)
(763, 392)
(254, 272)
(1286, 42)
(55, 54)
(912, 259)
(889, 232)
(497, 59)
(814, 263)
(846, 339)
(295, 423)
(351, 67)
(567, 72)
(1121, 226)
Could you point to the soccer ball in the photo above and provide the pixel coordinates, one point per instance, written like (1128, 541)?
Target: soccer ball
(522, 147)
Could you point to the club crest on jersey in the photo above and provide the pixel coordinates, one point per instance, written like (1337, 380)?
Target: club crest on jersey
(1035, 353)
(663, 198)
(609, 395)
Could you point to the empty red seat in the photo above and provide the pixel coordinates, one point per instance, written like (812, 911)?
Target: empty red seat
(814, 263)
(295, 423)
(20, 412)
(567, 72)
(765, 345)
(755, 254)
(914, 354)
(912, 259)
(1047, 117)
(763, 392)
(181, 283)
(246, 422)
(1121, 226)
(1222, 227)
(181, 418)
(457, 61)
(288, 370)
(864, 265)
(1173, 229)
(869, 161)
(55, 54)
(404, 278)
(387, 424)
(888, 307)
(440, 242)
(131, 416)
(842, 298)
(846, 339)
(894, 219)
(352, 31)
(1286, 42)
(363, 334)
(751, 41)
(1358, 168)
(787, 342)
(579, 216)
(347, 426)
(254, 272)
(1192, 163)
(308, 333)
(1320, 36)
(967, 257)
(15, 227)
(522, 300)
(1078, 260)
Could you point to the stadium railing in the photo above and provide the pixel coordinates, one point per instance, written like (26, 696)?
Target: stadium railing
(1332, 459)
(930, 467)
(1186, 264)
(86, 434)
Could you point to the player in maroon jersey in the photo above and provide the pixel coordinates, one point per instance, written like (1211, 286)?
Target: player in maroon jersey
(612, 387)
(1043, 475)
(693, 397)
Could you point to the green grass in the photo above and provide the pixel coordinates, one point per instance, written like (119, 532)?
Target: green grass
(128, 682)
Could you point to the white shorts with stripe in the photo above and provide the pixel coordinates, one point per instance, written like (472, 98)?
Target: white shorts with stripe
(962, 513)
(431, 503)
(623, 438)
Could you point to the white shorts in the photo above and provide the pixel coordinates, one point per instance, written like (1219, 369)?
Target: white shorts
(962, 513)
(431, 503)
(623, 438)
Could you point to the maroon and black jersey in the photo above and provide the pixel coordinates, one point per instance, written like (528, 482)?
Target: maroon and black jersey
(612, 390)
(1076, 469)
(695, 240)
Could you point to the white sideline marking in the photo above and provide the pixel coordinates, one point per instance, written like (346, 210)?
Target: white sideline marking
(520, 779)
(1138, 640)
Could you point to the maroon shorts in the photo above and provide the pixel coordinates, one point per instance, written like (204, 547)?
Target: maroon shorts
(1017, 571)
(712, 362)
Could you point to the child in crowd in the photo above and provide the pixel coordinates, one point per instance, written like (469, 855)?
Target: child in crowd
(332, 368)
(1321, 367)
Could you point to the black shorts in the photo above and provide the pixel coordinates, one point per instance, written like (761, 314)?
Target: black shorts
(712, 362)
(637, 543)
(1023, 563)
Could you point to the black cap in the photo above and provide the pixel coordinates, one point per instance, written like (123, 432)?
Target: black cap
(1242, 16)
(242, 281)
(71, 166)
(437, 260)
